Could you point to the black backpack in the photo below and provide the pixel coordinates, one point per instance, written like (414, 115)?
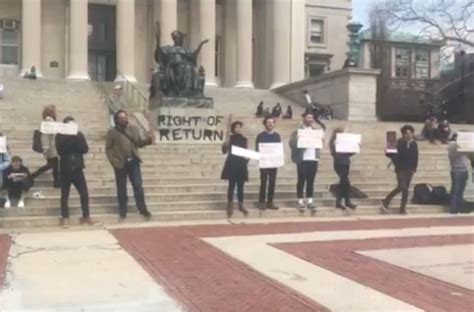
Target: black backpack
(422, 194)
(37, 146)
(439, 195)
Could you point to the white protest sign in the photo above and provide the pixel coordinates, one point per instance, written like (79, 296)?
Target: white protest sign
(310, 138)
(52, 127)
(3, 144)
(348, 143)
(271, 155)
(242, 152)
(465, 141)
(391, 142)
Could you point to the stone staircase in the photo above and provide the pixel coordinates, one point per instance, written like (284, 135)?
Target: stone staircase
(182, 182)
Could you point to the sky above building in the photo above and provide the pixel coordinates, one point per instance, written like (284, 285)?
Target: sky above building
(360, 11)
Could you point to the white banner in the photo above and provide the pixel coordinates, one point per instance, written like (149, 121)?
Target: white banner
(52, 127)
(348, 143)
(246, 153)
(3, 145)
(310, 138)
(465, 141)
(271, 155)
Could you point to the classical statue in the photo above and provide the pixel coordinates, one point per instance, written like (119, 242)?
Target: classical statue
(177, 74)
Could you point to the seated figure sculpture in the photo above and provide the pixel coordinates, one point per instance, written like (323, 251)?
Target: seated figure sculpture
(177, 73)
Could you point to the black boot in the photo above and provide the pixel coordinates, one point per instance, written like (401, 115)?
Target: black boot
(339, 205)
(230, 209)
(243, 209)
(350, 205)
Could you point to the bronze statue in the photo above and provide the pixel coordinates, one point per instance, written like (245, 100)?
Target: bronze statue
(177, 75)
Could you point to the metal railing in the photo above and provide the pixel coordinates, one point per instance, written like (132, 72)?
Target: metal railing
(134, 97)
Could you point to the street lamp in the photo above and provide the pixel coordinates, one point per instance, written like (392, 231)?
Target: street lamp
(353, 43)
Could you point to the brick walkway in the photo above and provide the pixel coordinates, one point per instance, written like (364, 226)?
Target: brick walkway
(4, 249)
(203, 278)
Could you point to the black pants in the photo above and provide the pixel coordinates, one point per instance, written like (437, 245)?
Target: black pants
(306, 173)
(77, 179)
(403, 184)
(132, 170)
(270, 176)
(51, 163)
(16, 189)
(344, 183)
(231, 189)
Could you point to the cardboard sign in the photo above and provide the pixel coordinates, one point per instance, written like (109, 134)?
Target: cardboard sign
(348, 143)
(3, 144)
(246, 153)
(310, 138)
(391, 142)
(188, 125)
(52, 127)
(271, 155)
(465, 141)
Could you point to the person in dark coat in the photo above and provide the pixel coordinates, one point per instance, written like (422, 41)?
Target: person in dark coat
(17, 181)
(71, 150)
(289, 113)
(235, 168)
(342, 165)
(406, 163)
(259, 112)
(276, 111)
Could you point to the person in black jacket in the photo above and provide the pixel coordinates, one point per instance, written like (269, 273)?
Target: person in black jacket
(406, 163)
(342, 165)
(235, 168)
(17, 181)
(71, 149)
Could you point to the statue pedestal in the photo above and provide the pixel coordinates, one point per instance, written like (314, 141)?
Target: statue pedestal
(191, 102)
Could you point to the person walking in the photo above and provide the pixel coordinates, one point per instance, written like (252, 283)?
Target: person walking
(71, 150)
(17, 182)
(406, 163)
(122, 144)
(306, 160)
(49, 148)
(459, 162)
(267, 174)
(235, 168)
(342, 164)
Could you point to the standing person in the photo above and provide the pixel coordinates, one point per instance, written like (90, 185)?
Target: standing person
(459, 175)
(122, 144)
(4, 163)
(276, 111)
(306, 160)
(49, 148)
(235, 168)
(267, 174)
(259, 112)
(308, 100)
(71, 150)
(406, 163)
(342, 165)
(17, 182)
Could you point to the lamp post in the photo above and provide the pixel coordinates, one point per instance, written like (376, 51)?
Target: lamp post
(353, 43)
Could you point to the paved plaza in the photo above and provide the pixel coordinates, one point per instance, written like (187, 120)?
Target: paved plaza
(343, 264)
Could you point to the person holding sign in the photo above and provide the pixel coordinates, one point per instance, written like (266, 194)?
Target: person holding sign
(267, 174)
(235, 168)
(306, 159)
(342, 164)
(121, 148)
(49, 148)
(17, 181)
(406, 162)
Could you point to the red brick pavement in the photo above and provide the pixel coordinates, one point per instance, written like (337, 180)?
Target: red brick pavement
(4, 249)
(419, 290)
(203, 278)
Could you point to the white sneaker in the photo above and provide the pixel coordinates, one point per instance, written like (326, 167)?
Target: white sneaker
(8, 204)
(21, 203)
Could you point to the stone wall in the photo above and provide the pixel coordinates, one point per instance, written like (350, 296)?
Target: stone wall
(350, 92)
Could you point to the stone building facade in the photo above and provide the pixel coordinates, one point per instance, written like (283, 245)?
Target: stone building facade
(254, 43)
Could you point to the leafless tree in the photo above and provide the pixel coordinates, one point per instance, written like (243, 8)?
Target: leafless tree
(449, 20)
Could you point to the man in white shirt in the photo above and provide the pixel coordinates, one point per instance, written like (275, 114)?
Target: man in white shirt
(309, 101)
(306, 160)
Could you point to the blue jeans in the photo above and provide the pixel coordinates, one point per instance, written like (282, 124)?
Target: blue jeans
(458, 185)
(132, 170)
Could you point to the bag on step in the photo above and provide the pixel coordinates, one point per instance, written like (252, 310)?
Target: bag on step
(422, 194)
(37, 146)
(439, 195)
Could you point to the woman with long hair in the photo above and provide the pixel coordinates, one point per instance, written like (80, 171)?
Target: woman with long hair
(235, 168)
(342, 164)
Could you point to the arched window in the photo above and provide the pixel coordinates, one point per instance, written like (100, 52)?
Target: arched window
(9, 42)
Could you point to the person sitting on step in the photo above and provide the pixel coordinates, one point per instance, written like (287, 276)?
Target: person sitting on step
(17, 181)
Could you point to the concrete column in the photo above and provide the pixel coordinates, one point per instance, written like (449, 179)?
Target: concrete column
(281, 42)
(168, 20)
(125, 40)
(31, 36)
(78, 40)
(244, 44)
(298, 32)
(207, 21)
